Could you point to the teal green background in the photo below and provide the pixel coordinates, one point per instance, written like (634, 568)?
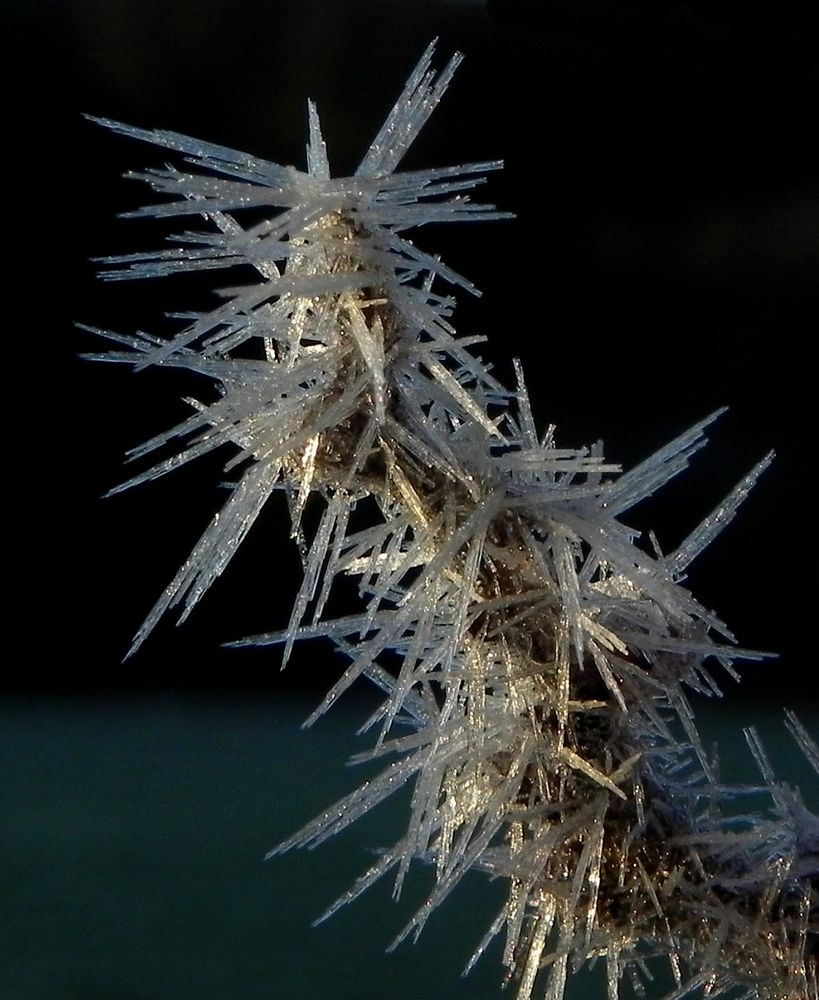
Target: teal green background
(132, 843)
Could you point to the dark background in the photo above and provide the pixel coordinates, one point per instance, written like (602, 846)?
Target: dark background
(661, 161)
(662, 165)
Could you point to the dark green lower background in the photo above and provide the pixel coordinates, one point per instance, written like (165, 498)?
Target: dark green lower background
(132, 843)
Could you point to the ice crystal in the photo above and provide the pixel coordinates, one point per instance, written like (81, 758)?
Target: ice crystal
(532, 654)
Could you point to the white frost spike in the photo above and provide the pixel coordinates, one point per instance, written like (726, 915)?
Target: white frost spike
(418, 100)
(701, 537)
(533, 653)
(317, 163)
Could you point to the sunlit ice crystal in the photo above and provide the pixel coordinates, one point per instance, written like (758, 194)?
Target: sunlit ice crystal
(533, 653)
(344, 314)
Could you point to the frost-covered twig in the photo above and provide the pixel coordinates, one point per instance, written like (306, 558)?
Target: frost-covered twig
(538, 654)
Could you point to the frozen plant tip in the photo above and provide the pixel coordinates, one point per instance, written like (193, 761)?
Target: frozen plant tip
(532, 655)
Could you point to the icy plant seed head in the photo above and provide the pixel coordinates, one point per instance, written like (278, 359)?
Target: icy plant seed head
(533, 655)
(314, 360)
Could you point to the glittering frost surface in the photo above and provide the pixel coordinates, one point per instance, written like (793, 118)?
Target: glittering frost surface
(532, 653)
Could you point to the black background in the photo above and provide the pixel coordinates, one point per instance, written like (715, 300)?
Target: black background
(662, 166)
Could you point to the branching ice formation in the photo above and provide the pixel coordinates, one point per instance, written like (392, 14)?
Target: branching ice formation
(537, 654)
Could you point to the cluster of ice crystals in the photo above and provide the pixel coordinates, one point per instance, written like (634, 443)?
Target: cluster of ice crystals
(531, 652)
